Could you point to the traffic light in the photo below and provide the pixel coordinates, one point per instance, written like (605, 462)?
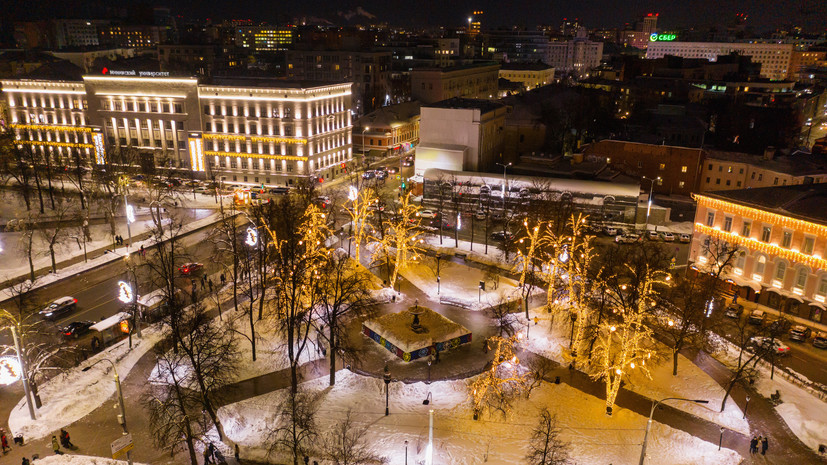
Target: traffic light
(402, 186)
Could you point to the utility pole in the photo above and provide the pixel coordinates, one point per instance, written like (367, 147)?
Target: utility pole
(23, 374)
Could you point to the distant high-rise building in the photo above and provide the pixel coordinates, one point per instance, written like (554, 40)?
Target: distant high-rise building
(648, 24)
(475, 23)
(516, 46)
(264, 38)
(576, 57)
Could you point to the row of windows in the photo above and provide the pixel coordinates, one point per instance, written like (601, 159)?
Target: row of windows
(49, 101)
(766, 233)
(780, 274)
(142, 107)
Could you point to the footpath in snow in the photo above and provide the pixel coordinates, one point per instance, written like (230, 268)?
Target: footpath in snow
(458, 439)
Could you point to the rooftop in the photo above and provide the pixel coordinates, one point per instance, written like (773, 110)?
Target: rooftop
(525, 66)
(802, 201)
(459, 103)
(244, 81)
(478, 64)
(796, 164)
(391, 115)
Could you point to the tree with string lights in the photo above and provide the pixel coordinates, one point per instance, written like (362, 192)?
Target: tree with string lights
(628, 343)
(401, 238)
(359, 208)
(503, 381)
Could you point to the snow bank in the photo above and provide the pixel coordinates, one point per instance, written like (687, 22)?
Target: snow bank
(74, 394)
(803, 413)
(458, 439)
(79, 460)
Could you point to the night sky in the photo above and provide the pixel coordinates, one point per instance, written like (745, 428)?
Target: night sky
(763, 14)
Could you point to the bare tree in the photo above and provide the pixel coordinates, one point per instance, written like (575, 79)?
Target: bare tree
(55, 230)
(345, 296)
(295, 426)
(26, 225)
(346, 444)
(545, 446)
(503, 312)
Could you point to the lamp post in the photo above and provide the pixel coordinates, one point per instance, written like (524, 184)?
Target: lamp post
(387, 378)
(721, 439)
(364, 145)
(438, 286)
(130, 218)
(122, 415)
(649, 423)
(406, 452)
(649, 202)
(429, 370)
(505, 182)
(746, 407)
(23, 376)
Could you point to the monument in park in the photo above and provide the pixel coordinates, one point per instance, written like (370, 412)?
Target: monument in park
(416, 332)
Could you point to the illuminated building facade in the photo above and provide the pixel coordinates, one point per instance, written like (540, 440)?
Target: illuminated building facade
(478, 80)
(781, 236)
(774, 58)
(576, 57)
(255, 131)
(264, 38)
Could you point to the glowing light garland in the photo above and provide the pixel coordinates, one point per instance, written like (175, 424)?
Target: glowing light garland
(44, 127)
(769, 249)
(762, 215)
(52, 143)
(256, 155)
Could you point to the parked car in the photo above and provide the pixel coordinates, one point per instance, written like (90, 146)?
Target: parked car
(279, 190)
(427, 214)
(627, 238)
(188, 269)
(59, 307)
(770, 343)
(77, 329)
(502, 236)
(734, 311)
(800, 333)
(820, 340)
(653, 235)
(480, 215)
(668, 237)
(610, 231)
(686, 238)
(497, 216)
(204, 190)
(369, 174)
(757, 317)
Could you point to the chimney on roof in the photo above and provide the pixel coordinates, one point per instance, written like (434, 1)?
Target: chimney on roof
(769, 153)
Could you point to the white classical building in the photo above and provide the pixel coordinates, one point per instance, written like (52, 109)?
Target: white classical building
(576, 57)
(257, 131)
(774, 58)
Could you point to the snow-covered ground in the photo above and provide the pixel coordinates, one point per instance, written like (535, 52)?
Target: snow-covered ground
(67, 459)
(460, 284)
(691, 382)
(74, 394)
(458, 439)
(805, 414)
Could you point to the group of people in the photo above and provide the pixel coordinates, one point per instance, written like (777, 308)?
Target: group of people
(118, 240)
(213, 455)
(757, 441)
(65, 441)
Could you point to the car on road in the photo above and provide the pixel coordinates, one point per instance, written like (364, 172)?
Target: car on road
(323, 200)
(479, 215)
(369, 174)
(427, 214)
(627, 238)
(407, 162)
(734, 311)
(800, 333)
(77, 329)
(653, 235)
(820, 340)
(502, 236)
(757, 317)
(204, 190)
(668, 237)
(498, 216)
(188, 269)
(686, 238)
(279, 190)
(59, 307)
(610, 231)
(392, 170)
(381, 175)
(770, 343)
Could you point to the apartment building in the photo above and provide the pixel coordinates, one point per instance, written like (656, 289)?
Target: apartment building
(257, 131)
(774, 58)
(477, 80)
(736, 170)
(781, 236)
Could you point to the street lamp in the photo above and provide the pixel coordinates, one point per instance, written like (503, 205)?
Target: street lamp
(130, 218)
(23, 377)
(721, 439)
(122, 416)
(387, 379)
(746, 407)
(649, 203)
(364, 146)
(652, 412)
(505, 182)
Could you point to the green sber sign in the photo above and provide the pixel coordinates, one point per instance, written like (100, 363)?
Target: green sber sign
(655, 37)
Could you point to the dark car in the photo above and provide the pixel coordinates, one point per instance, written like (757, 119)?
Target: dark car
(77, 329)
(757, 317)
(189, 268)
(820, 340)
(279, 190)
(381, 175)
(502, 236)
(734, 311)
(407, 162)
(59, 307)
(370, 174)
(800, 333)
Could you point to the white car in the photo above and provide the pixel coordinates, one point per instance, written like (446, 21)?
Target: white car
(427, 214)
(59, 307)
(686, 238)
(479, 215)
(771, 343)
(653, 235)
(668, 237)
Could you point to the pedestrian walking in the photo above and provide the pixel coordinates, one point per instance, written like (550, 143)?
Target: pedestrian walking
(65, 440)
(207, 456)
(56, 446)
(143, 253)
(25, 461)
(753, 445)
(223, 279)
(237, 453)
(209, 283)
(765, 444)
(5, 442)
(436, 360)
(485, 345)
(211, 449)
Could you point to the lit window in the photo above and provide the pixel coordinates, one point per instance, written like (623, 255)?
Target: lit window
(787, 239)
(710, 219)
(801, 278)
(728, 223)
(766, 232)
(746, 229)
(683, 169)
(662, 166)
(809, 244)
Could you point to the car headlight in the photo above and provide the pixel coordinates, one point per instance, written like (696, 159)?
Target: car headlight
(49, 314)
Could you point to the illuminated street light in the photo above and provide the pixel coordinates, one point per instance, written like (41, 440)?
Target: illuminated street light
(352, 193)
(125, 293)
(252, 237)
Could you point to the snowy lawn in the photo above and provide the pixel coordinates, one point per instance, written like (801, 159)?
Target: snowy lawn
(458, 439)
(74, 394)
(460, 284)
(691, 382)
(67, 459)
(805, 414)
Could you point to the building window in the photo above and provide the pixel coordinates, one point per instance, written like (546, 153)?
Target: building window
(741, 171)
(753, 175)
(759, 268)
(662, 166)
(681, 184)
(741, 260)
(721, 168)
(707, 180)
(746, 228)
(710, 219)
(710, 167)
(780, 271)
(717, 180)
(766, 232)
(775, 183)
(801, 278)
(728, 223)
(809, 245)
(728, 182)
(640, 164)
(683, 169)
(787, 239)
(822, 288)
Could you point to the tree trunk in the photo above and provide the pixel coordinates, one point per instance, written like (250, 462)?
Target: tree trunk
(52, 255)
(79, 173)
(675, 361)
(332, 348)
(49, 178)
(39, 189)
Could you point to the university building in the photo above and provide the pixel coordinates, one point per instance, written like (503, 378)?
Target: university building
(781, 236)
(774, 58)
(246, 130)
